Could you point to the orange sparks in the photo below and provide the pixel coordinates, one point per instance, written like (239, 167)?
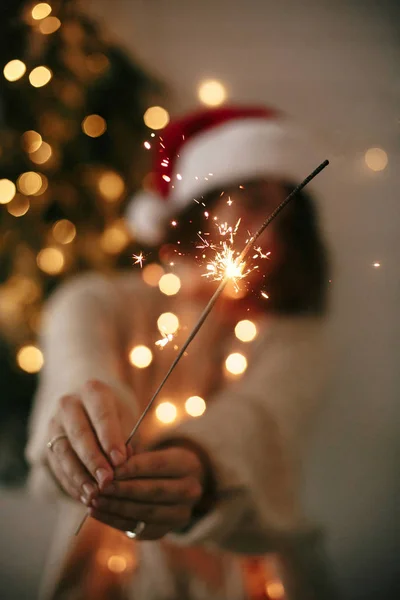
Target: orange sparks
(138, 258)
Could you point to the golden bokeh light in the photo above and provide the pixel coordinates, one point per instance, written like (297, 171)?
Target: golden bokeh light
(30, 359)
(42, 154)
(152, 273)
(31, 141)
(111, 186)
(41, 11)
(212, 92)
(195, 406)
(43, 187)
(166, 412)
(29, 183)
(97, 63)
(94, 125)
(64, 231)
(245, 331)
(117, 563)
(236, 363)
(114, 238)
(40, 76)
(7, 191)
(376, 159)
(49, 25)
(156, 117)
(50, 260)
(274, 589)
(140, 356)
(14, 70)
(168, 323)
(169, 284)
(19, 206)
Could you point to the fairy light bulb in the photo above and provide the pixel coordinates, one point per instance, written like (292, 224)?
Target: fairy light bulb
(42, 154)
(19, 206)
(245, 330)
(31, 141)
(14, 70)
(117, 563)
(166, 412)
(195, 406)
(111, 186)
(156, 117)
(49, 25)
(7, 191)
(376, 159)
(40, 76)
(94, 125)
(140, 356)
(169, 284)
(51, 261)
(64, 231)
(114, 238)
(274, 589)
(168, 323)
(29, 183)
(30, 359)
(152, 273)
(41, 11)
(236, 363)
(212, 92)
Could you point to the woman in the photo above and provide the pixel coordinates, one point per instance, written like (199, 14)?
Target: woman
(229, 479)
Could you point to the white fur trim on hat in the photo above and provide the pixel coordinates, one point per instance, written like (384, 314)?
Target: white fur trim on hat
(146, 216)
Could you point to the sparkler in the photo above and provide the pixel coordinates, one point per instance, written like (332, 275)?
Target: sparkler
(233, 269)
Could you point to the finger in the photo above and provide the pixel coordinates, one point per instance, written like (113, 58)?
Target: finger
(83, 440)
(64, 481)
(74, 470)
(172, 516)
(151, 532)
(185, 490)
(169, 462)
(100, 405)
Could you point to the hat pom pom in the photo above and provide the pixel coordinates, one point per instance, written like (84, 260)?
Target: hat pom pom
(146, 217)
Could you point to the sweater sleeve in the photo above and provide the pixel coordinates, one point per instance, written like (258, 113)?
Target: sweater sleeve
(254, 434)
(79, 342)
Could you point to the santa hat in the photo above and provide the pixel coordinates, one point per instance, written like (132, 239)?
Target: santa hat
(211, 149)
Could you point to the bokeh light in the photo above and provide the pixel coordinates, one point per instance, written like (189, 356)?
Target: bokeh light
(168, 323)
(42, 154)
(49, 25)
(30, 359)
(274, 589)
(117, 563)
(212, 92)
(376, 159)
(195, 406)
(236, 363)
(64, 231)
(152, 274)
(7, 191)
(169, 284)
(94, 125)
(140, 356)
(156, 117)
(40, 76)
(14, 70)
(166, 412)
(41, 11)
(19, 206)
(245, 330)
(50, 260)
(29, 183)
(114, 238)
(111, 186)
(31, 141)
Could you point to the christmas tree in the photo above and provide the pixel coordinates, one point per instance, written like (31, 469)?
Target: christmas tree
(71, 153)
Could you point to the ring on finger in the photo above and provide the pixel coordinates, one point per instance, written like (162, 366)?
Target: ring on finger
(54, 440)
(140, 527)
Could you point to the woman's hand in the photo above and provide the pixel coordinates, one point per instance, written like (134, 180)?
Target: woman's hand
(160, 487)
(96, 424)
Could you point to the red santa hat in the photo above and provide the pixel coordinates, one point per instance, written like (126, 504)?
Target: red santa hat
(212, 149)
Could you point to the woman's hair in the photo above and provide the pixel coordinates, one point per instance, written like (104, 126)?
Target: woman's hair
(298, 285)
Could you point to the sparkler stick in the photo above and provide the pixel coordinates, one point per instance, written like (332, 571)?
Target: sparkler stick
(215, 297)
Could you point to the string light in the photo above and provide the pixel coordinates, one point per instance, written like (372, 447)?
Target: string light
(169, 284)
(111, 186)
(156, 117)
(236, 363)
(274, 589)
(94, 125)
(19, 206)
(376, 265)
(39, 76)
(29, 183)
(31, 141)
(212, 92)
(14, 70)
(64, 231)
(195, 406)
(245, 331)
(117, 563)
(152, 273)
(41, 11)
(376, 159)
(30, 359)
(140, 356)
(50, 260)
(42, 154)
(49, 25)
(7, 191)
(168, 323)
(166, 412)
